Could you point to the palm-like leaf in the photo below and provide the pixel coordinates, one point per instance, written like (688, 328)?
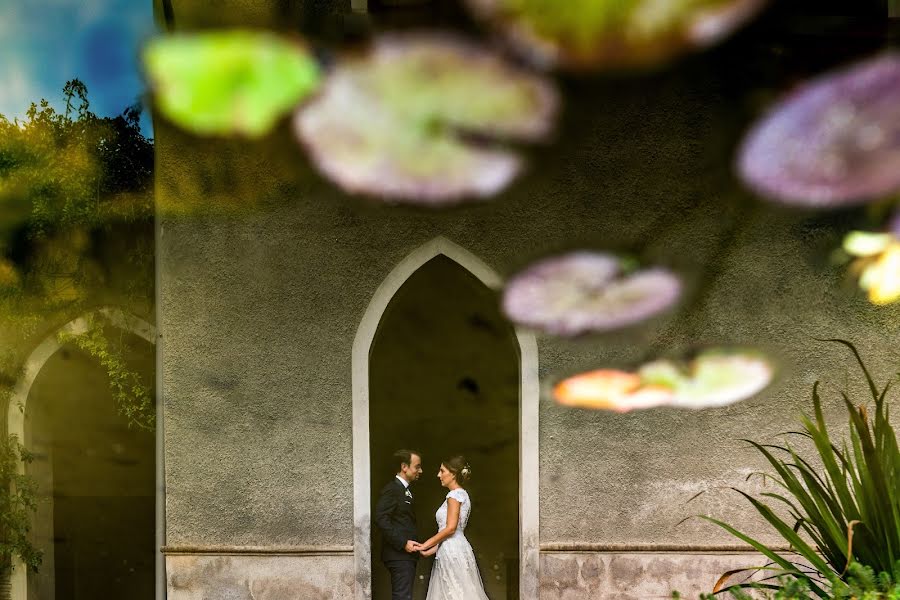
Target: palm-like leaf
(847, 510)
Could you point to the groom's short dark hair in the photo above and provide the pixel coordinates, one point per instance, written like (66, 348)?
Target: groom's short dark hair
(404, 457)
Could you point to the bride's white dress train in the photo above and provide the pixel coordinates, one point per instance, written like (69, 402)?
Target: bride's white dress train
(455, 573)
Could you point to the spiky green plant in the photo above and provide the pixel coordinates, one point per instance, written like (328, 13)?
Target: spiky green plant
(861, 584)
(845, 512)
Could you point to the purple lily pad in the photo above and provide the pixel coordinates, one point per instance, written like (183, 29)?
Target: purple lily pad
(835, 142)
(420, 119)
(585, 292)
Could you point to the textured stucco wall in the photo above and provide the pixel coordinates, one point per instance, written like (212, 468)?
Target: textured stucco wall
(258, 577)
(637, 576)
(261, 296)
(564, 576)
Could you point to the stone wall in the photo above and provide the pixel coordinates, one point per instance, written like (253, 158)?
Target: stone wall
(259, 577)
(636, 575)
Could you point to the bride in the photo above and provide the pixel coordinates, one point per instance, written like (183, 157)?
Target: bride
(455, 572)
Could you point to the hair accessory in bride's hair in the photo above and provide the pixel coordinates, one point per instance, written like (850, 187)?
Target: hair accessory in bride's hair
(466, 471)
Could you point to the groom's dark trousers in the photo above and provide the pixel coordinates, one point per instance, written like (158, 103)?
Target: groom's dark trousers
(395, 516)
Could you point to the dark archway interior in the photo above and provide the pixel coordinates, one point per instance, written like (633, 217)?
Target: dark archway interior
(96, 478)
(444, 379)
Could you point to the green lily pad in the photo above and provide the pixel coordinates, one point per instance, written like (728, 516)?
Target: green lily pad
(583, 34)
(720, 377)
(663, 373)
(423, 119)
(229, 82)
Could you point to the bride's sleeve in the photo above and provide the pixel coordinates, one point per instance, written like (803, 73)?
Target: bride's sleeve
(458, 495)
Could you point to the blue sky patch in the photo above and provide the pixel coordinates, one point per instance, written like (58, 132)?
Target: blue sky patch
(44, 43)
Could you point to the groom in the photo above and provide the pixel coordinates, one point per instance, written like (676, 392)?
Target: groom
(396, 517)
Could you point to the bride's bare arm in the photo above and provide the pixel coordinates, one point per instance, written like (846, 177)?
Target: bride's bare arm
(450, 529)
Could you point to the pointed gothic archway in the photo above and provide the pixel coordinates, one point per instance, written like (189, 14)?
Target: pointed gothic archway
(527, 417)
(16, 412)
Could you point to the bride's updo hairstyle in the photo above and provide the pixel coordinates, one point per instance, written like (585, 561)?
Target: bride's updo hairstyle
(459, 467)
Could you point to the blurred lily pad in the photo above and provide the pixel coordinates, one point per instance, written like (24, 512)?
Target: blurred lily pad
(421, 119)
(834, 142)
(608, 389)
(229, 82)
(722, 377)
(713, 378)
(584, 292)
(587, 34)
(664, 373)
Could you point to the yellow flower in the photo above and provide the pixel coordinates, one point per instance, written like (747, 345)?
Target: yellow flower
(866, 243)
(882, 278)
(878, 264)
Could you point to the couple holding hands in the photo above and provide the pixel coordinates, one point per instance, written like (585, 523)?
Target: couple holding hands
(455, 573)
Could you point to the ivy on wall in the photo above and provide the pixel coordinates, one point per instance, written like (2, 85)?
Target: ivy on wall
(134, 398)
(16, 507)
(76, 232)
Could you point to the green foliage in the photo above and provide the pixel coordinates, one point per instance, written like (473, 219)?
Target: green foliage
(17, 505)
(65, 180)
(133, 397)
(861, 584)
(229, 82)
(73, 169)
(76, 210)
(846, 512)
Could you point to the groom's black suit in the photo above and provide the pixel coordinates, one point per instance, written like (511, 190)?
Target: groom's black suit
(396, 518)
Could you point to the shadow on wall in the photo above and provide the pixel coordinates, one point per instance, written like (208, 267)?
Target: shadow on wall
(444, 369)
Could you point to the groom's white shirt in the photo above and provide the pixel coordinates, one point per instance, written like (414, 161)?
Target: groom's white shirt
(406, 486)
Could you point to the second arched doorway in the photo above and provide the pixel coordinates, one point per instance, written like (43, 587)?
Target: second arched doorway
(94, 473)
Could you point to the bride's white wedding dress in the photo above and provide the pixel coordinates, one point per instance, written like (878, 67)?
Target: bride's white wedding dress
(455, 572)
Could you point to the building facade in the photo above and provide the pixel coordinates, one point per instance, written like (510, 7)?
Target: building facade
(282, 369)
